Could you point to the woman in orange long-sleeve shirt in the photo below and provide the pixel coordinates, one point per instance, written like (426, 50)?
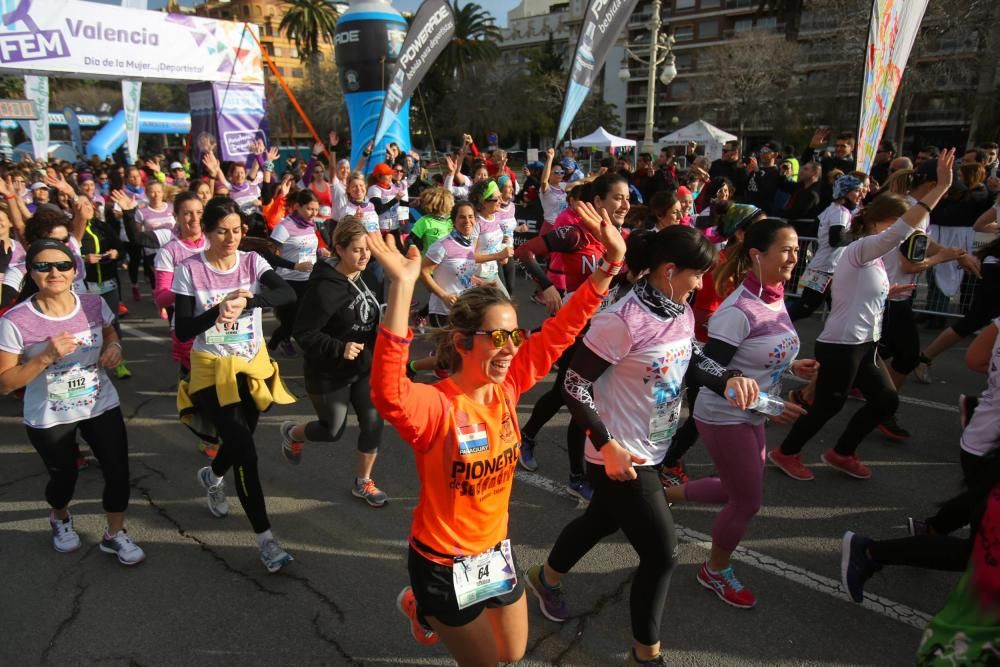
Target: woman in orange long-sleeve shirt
(465, 436)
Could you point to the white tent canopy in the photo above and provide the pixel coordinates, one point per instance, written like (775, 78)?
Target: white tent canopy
(601, 138)
(700, 131)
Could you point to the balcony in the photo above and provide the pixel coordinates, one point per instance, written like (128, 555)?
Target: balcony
(937, 117)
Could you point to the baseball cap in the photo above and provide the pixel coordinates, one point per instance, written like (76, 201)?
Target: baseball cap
(38, 186)
(176, 165)
(382, 169)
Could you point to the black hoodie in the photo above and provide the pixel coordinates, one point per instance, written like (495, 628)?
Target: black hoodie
(335, 311)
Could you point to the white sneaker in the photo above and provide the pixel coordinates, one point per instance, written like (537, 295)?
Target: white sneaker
(64, 538)
(923, 373)
(216, 493)
(273, 556)
(121, 545)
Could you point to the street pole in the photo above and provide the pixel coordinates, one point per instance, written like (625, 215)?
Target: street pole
(654, 44)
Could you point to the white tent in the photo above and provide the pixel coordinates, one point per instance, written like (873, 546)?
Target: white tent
(704, 133)
(699, 131)
(601, 138)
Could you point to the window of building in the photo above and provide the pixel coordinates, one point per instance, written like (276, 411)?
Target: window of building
(270, 48)
(293, 52)
(257, 10)
(681, 5)
(277, 51)
(246, 11)
(680, 90)
(708, 30)
(296, 73)
(684, 33)
(767, 23)
(684, 61)
(711, 4)
(742, 25)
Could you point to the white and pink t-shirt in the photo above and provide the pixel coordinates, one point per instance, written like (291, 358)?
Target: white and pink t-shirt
(195, 277)
(766, 343)
(365, 211)
(456, 264)
(553, 203)
(506, 216)
(75, 387)
(489, 239)
(299, 243)
(168, 256)
(161, 223)
(982, 435)
(388, 219)
(245, 196)
(639, 397)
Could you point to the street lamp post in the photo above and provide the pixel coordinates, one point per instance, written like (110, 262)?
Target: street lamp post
(659, 40)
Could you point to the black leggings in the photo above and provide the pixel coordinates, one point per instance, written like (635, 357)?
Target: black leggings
(639, 508)
(331, 411)
(807, 303)
(507, 274)
(235, 425)
(941, 551)
(686, 435)
(842, 367)
(286, 315)
(900, 337)
(548, 405)
(108, 440)
(147, 268)
(134, 251)
(113, 298)
(985, 304)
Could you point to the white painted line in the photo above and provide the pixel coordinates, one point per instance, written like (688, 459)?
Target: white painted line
(142, 335)
(817, 582)
(934, 405)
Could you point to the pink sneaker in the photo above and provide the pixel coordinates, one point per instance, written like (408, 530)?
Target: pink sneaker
(790, 464)
(727, 587)
(849, 465)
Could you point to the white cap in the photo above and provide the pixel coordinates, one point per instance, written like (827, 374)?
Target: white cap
(176, 165)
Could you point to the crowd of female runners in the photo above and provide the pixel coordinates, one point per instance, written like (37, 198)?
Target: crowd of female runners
(341, 276)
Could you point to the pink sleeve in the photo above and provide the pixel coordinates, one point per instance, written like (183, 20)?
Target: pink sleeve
(163, 295)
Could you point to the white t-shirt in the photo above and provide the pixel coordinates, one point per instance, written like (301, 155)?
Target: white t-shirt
(456, 264)
(160, 222)
(553, 202)
(388, 220)
(766, 343)
(639, 397)
(982, 434)
(489, 239)
(298, 244)
(860, 287)
(366, 211)
(246, 196)
(197, 278)
(506, 216)
(826, 258)
(75, 387)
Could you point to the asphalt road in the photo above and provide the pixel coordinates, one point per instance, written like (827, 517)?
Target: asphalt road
(202, 596)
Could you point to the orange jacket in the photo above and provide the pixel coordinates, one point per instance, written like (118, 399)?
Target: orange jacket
(274, 211)
(466, 453)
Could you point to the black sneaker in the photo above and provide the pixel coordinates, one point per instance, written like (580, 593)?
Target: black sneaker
(855, 566)
(891, 429)
(966, 406)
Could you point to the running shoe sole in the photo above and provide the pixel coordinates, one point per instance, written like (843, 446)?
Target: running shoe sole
(541, 601)
(712, 588)
(354, 492)
(425, 641)
(845, 562)
(109, 550)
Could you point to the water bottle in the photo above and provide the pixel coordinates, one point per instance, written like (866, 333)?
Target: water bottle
(765, 403)
(368, 39)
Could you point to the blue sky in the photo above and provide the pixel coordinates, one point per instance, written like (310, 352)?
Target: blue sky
(498, 8)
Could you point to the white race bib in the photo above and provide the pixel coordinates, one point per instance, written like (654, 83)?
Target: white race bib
(817, 281)
(370, 220)
(240, 331)
(73, 383)
(478, 578)
(664, 420)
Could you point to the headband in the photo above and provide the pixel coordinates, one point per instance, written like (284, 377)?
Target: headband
(503, 180)
(491, 189)
(47, 244)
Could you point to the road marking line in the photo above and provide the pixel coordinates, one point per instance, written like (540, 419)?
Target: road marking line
(142, 335)
(817, 582)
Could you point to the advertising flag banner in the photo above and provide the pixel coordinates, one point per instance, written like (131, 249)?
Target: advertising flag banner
(226, 120)
(131, 93)
(73, 123)
(36, 89)
(602, 23)
(75, 37)
(429, 33)
(894, 27)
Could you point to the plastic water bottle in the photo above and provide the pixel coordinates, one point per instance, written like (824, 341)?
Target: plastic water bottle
(765, 403)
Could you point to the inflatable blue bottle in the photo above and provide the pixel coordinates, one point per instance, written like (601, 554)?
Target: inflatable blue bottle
(368, 39)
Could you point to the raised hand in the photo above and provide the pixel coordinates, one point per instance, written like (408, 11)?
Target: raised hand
(600, 226)
(59, 183)
(334, 138)
(124, 202)
(397, 267)
(945, 168)
(152, 165)
(273, 154)
(211, 163)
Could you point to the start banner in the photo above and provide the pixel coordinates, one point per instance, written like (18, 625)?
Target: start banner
(91, 40)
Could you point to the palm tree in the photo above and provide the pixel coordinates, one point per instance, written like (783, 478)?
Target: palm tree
(475, 40)
(306, 22)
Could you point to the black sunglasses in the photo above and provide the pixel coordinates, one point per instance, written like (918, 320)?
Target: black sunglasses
(45, 267)
(500, 336)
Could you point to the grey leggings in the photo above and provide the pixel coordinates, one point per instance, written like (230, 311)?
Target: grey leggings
(331, 413)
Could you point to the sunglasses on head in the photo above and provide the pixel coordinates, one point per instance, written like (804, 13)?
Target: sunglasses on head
(500, 336)
(44, 267)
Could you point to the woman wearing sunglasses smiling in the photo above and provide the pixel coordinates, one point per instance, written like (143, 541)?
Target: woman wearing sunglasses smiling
(57, 344)
(464, 433)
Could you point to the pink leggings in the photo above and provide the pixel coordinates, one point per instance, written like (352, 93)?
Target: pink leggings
(738, 453)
